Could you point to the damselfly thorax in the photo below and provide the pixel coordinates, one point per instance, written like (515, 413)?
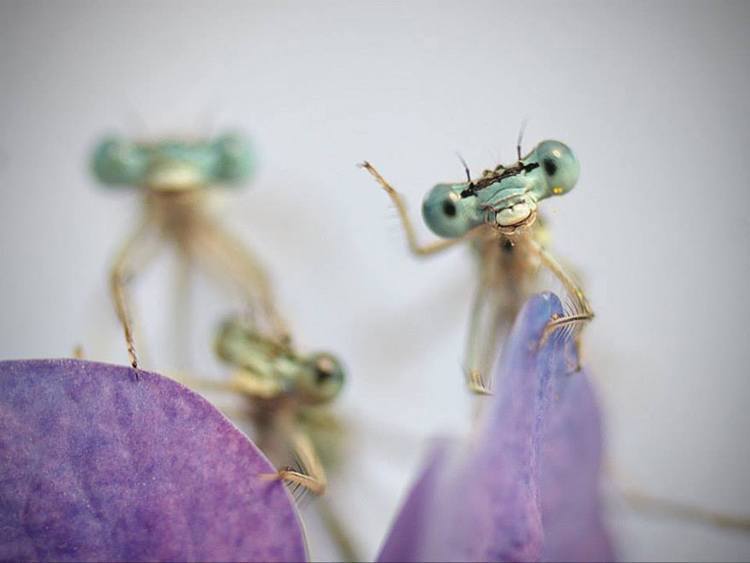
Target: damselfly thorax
(506, 264)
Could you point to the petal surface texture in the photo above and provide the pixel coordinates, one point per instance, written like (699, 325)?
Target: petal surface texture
(96, 465)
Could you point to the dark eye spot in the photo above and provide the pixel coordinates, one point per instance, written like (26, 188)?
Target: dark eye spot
(321, 376)
(549, 166)
(324, 369)
(449, 208)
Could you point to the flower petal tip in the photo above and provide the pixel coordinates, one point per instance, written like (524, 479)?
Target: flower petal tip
(526, 486)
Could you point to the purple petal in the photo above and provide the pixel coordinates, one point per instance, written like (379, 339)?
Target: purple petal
(525, 487)
(95, 465)
(570, 470)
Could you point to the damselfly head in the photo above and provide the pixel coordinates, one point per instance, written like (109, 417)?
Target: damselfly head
(310, 379)
(172, 165)
(505, 198)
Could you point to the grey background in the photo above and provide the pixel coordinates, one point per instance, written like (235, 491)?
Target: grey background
(652, 97)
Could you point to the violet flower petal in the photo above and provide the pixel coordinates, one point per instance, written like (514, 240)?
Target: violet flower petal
(525, 488)
(95, 465)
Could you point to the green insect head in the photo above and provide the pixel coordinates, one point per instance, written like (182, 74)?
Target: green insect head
(311, 380)
(172, 165)
(505, 198)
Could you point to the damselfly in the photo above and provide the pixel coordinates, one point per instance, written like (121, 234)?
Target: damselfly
(288, 398)
(498, 213)
(176, 178)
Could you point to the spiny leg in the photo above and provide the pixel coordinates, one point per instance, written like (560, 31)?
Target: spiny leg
(411, 237)
(683, 511)
(474, 373)
(481, 344)
(645, 502)
(242, 381)
(117, 287)
(314, 478)
(253, 385)
(232, 260)
(583, 312)
(123, 271)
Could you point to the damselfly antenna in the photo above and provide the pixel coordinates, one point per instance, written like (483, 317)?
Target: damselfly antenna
(521, 131)
(466, 168)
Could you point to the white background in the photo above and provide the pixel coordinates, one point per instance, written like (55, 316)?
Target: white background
(653, 99)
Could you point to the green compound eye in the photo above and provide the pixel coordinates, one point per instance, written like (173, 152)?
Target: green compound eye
(559, 167)
(447, 214)
(322, 378)
(234, 156)
(119, 162)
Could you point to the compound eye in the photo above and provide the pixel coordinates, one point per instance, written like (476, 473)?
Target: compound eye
(559, 165)
(234, 158)
(326, 378)
(119, 162)
(446, 213)
(325, 370)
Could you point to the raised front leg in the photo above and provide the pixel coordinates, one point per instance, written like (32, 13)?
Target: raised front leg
(411, 237)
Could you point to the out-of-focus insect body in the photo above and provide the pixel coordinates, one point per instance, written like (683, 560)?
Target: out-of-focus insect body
(286, 392)
(176, 178)
(288, 402)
